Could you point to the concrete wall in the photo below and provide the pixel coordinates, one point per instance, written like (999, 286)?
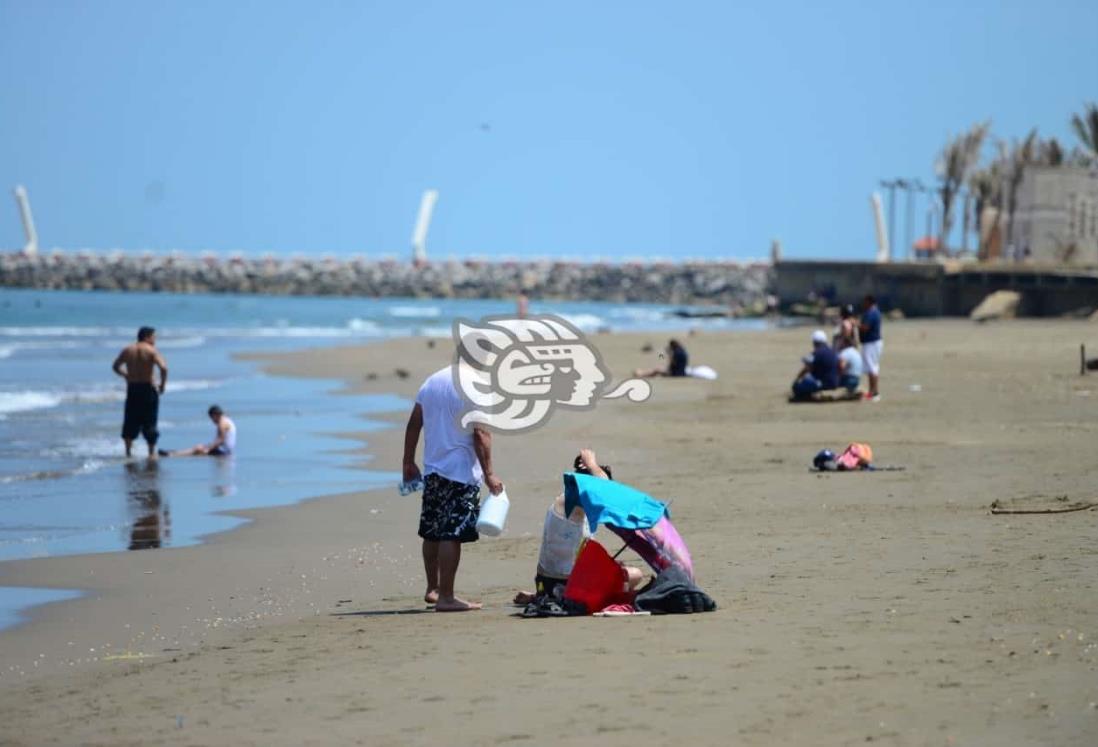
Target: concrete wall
(933, 289)
(914, 287)
(1057, 215)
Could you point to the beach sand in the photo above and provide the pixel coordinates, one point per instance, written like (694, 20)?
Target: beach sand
(887, 607)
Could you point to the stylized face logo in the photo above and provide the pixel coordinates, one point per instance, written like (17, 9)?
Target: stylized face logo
(514, 371)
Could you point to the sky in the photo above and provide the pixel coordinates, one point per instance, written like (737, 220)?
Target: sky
(610, 129)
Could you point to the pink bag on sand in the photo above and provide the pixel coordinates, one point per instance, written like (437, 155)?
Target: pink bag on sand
(856, 456)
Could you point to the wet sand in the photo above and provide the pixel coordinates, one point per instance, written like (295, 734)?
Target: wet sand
(888, 607)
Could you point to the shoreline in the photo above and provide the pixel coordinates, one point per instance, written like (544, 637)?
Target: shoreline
(886, 605)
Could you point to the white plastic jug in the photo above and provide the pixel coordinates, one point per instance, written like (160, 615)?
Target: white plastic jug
(493, 514)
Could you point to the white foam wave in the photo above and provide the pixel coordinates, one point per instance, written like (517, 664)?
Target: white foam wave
(193, 341)
(438, 331)
(585, 322)
(89, 466)
(415, 312)
(362, 325)
(27, 400)
(57, 331)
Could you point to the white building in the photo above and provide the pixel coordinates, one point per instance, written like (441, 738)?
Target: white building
(1056, 219)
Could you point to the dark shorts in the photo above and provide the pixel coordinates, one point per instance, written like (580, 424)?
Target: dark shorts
(142, 410)
(449, 511)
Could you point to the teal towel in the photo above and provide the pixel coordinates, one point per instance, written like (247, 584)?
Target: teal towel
(609, 502)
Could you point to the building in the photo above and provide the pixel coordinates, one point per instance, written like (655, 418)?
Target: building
(1056, 216)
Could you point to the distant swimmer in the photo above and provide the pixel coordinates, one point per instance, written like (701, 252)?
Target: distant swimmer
(135, 364)
(224, 441)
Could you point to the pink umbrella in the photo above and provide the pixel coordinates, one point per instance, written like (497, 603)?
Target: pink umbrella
(660, 545)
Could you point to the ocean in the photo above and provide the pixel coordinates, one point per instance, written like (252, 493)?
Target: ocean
(65, 487)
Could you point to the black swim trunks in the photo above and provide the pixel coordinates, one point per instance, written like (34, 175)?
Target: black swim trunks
(142, 410)
(449, 511)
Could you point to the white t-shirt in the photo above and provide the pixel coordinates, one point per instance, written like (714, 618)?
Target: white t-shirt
(853, 362)
(447, 449)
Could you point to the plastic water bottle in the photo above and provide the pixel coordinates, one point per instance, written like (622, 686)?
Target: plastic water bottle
(413, 486)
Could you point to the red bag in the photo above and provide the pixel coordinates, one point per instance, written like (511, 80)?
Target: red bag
(596, 580)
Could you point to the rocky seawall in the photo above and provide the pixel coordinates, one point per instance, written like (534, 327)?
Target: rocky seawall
(719, 283)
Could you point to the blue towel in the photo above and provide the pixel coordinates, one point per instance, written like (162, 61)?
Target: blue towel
(609, 502)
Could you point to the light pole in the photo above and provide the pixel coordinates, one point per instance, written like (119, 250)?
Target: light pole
(891, 186)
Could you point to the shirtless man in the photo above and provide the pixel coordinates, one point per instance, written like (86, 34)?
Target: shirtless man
(224, 441)
(135, 364)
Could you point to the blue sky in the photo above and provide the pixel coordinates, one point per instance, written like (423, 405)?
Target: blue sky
(584, 129)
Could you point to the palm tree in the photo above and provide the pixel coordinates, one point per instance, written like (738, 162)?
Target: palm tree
(1013, 160)
(957, 159)
(1051, 153)
(1086, 129)
(986, 187)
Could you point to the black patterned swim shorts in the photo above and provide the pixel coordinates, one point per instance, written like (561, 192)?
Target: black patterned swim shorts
(449, 511)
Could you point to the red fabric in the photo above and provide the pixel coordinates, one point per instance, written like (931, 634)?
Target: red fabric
(596, 580)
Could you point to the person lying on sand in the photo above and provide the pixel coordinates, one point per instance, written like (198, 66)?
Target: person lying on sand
(563, 536)
(820, 371)
(677, 360)
(223, 444)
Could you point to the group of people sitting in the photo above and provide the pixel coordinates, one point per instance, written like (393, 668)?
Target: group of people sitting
(839, 362)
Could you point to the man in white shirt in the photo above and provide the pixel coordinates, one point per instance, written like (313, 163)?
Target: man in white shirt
(454, 462)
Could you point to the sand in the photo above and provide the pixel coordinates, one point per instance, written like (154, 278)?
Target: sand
(890, 607)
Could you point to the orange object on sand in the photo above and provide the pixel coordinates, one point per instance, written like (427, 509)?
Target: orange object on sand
(856, 456)
(596, 580)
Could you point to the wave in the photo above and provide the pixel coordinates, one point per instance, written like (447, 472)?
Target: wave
(170, 343)
(28, 400)
(415, 312)
(25, 401)
(585, 322)
(61, 331)
(89, 466)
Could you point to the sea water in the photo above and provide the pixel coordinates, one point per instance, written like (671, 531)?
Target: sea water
(65, 487)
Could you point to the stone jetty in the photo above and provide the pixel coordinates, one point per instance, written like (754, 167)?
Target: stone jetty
(727, 284)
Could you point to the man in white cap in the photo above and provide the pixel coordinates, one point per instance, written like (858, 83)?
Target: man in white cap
(820, 370)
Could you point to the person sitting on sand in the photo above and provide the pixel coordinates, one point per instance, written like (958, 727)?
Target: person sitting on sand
(820, 371)
(563, 536)
(850, 369)
(677, 360)
(223, 444)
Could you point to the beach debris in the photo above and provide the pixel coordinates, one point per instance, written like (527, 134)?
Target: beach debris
(915, 388)
(401, 373)
(1001, 304)
(1040, 504)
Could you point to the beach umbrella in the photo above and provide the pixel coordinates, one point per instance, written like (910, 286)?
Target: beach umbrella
(639, 519)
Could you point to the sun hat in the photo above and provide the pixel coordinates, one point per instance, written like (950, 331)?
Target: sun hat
(819, 336)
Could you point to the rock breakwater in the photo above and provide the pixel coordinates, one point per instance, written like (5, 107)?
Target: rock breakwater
(724, 283)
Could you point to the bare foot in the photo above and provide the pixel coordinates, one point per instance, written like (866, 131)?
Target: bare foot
(431, 597)
(454, 604)
(524, 597)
